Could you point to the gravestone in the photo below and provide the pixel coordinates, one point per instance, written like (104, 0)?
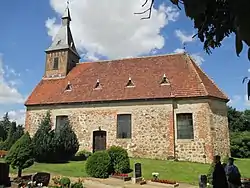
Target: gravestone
(202, 181)
(137, 176)
(4, 174)
(41, 177)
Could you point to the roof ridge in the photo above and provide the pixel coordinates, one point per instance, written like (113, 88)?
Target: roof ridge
(138, 57)
(209, 79)
(198, 76)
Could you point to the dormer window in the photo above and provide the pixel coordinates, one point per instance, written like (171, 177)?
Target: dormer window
(130, 83)
(55, 63)
(98, 85)
(68, 87)
(58, 42)
(164, 80)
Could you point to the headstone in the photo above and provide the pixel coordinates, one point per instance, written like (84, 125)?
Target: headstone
(4, 174)
(202, 181)
(41, 177)
(137, 173)
(137, 170)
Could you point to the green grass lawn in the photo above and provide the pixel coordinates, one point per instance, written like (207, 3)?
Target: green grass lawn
(180, 171)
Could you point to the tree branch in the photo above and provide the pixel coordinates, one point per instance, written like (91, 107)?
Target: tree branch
(147, 10)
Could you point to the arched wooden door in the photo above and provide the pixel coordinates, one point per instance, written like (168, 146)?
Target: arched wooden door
(99, 140)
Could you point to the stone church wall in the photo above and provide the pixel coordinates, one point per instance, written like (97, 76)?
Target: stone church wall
(153, 133)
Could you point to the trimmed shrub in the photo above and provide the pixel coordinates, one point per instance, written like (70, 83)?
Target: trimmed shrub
(98, 165)
(20, 155)
(119, 159)
(77, 185)
(65, 182)
(82, 155)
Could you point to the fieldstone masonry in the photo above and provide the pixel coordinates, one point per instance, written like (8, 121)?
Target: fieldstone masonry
(153, 127)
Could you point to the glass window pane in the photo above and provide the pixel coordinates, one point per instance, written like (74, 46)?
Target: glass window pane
(124, 126)
(185, 126)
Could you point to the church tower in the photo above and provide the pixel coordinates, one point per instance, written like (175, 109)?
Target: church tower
(62, 55)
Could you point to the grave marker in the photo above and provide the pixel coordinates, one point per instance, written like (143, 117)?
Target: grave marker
(137, 175)
(4, 174)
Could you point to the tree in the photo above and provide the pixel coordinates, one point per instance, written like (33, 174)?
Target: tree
(65, 142)
(58, 145)
(5, 125)
(42, 138)
(235, 120)
(215, 20)
(20, 155)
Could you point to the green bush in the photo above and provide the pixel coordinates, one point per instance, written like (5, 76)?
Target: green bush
(65, 182)
(20, 155)
(210, 173)
(98, 165)
(77, 185)
(58, 145)
(240, 144)
(82, 155)
(119, 159)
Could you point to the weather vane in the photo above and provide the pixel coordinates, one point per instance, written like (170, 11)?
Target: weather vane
(67, 3)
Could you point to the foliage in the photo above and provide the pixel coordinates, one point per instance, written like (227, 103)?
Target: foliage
(41, 138)
(240, 144)
(98, 165)
(210, 173)
(15, 132)
(82, 155)
(5, 125)
(181, 169)
(77, 185)
(58, 145)
(119, 159)
(20, 155)
(215, 20)
(239, 126)
(65, 182)
(238, 121)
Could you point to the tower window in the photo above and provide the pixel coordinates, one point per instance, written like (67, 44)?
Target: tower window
(55, 63)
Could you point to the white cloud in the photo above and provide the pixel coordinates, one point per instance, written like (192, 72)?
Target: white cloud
(18, 116)
(183, 37)
(246, 101)
(179, 50)
(15, 115)
(8, 93)
(235, 100)
(110, 27)
(198, 59)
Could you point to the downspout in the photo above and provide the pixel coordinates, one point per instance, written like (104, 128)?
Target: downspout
(173, 117)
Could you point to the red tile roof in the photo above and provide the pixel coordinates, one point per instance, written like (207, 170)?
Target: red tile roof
(185, 77)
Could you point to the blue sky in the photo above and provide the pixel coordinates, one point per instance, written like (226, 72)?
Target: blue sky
(102, 32)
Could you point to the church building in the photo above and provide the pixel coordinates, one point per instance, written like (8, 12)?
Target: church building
(160, 107)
